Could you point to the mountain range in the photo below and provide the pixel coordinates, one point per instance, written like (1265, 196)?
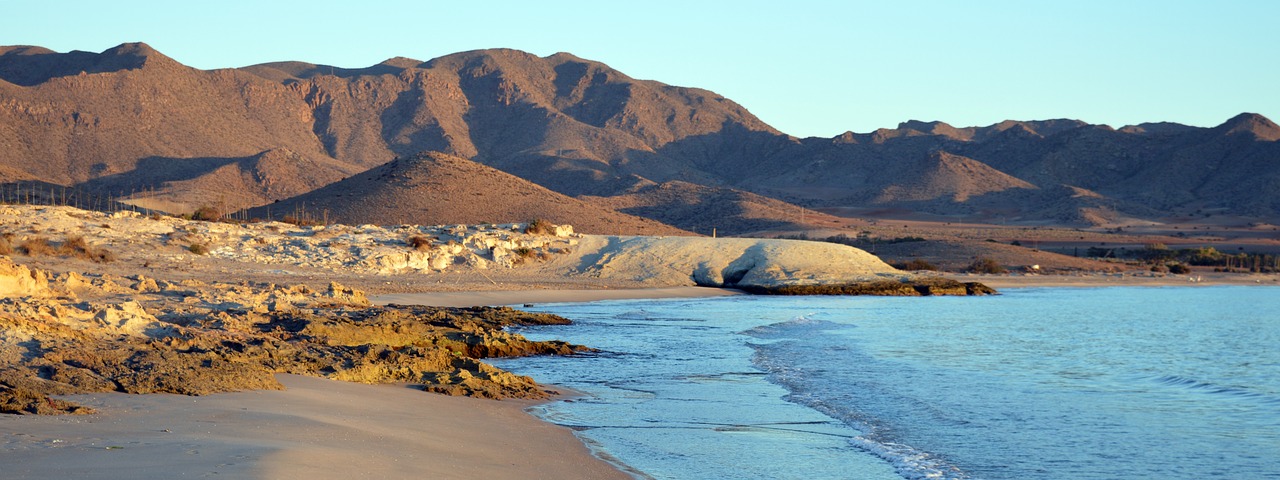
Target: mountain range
(578, 140)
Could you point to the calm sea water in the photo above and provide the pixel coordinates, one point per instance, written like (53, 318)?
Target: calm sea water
(1046, 383)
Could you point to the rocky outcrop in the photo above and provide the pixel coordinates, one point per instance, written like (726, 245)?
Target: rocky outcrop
(906, 287)
(366, 249)
(725, 262)
(139, 335)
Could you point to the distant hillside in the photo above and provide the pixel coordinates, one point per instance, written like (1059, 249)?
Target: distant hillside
(133, 124)
(74, 117)
(227, 184)
(714, 210)
(439, 189)
(1034, 171)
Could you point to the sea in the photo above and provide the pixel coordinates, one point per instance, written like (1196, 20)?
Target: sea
(1035, 383)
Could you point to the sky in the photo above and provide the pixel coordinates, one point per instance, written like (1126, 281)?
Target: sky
(807, 67)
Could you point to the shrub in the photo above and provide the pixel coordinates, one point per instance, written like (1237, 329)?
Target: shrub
(73, 246)
(6, 248)
(1179, 269)
(419, 243)
(206, 213)
(986, 265)
(300, 221)
(36, 246)
(917, 264)
(540, 226)
(524, 254)
(101, 255)
(198, 249)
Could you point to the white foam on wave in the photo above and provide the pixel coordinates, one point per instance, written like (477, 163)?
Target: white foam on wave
(907, 461)
(798, 326)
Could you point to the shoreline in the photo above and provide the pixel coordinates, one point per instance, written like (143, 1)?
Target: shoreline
(316, 428)
(494, 298)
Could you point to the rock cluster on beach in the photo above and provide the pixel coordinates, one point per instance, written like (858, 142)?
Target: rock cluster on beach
(72, 333)
(365, 248)
(755, 265)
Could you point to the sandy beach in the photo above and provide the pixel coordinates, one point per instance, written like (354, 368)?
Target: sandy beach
(317, 428)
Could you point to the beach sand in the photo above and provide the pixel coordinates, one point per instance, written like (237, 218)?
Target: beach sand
(317, 428)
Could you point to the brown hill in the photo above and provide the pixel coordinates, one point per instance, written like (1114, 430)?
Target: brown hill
(74, 117)
(713, 210)
(227, 184)
(434, 188)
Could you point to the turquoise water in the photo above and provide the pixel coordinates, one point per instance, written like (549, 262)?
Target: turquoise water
(1036, 383)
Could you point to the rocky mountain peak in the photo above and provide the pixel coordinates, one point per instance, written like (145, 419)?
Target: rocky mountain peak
(27, 66)
(1251, 124)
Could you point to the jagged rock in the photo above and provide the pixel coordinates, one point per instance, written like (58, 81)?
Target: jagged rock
(20, 281)
(197, 338)
(907, 287)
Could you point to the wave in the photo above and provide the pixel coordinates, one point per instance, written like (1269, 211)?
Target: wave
(799, 327)
(907, 461)
(910, 463)
(1210, 388)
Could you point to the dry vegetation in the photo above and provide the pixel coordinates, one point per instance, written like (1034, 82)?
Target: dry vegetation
(73, 246)
(420, 243)
(540, 227)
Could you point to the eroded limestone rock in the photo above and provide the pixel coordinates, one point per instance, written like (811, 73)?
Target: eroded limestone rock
(197, 338)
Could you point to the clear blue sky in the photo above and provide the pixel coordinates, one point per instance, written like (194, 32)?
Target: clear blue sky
(810, 68)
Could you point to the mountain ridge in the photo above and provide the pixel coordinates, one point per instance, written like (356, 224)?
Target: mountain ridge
(583, 129)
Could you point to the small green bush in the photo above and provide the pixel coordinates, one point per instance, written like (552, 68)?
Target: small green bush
(198, 249)
(1179, 269)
